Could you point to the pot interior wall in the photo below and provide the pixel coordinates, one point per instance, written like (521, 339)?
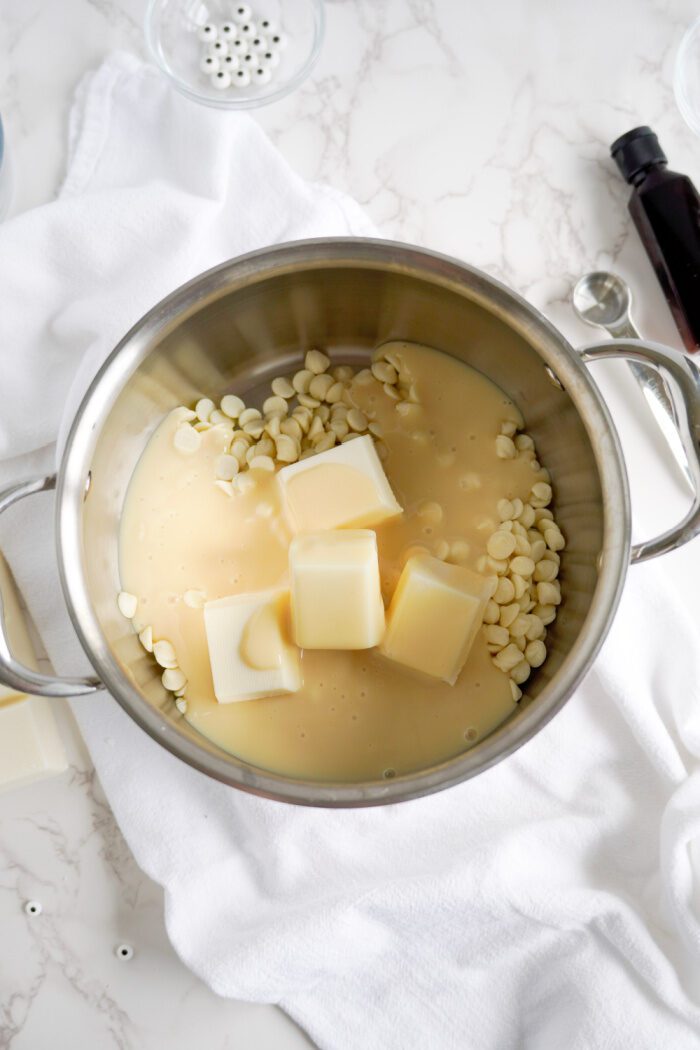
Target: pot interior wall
(239, 337)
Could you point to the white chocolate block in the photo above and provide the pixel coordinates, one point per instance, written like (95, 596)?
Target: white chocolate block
(249, 648)
(336, 596)
(30, 745)
(434, 616)
(16, 626)
(344, 487)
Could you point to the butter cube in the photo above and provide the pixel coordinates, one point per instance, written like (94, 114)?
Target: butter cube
(344, 487)
(336, 597)
(249, 648)
(434, 616)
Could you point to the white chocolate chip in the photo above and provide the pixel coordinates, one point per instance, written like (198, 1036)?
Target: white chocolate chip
(496, 635)
(508, 613)
(164, 653)
(186, 439)
(301, 380)
(516, 691)
(219, 419)
(316, 362)
(249, 415)
(522, 565)
(275, 405)
(364, 377)
(356, 420)
(548, 593)
(320, 386)
(521, 672)
(339, 427)
(535, 653)
(500, 545)
(146, 639)
(342, 373)
(324, 443)
(307, 401)
(127, 604)
(287, 449)
(546, 571)
(384, 372)
(262, 463)
(508, 658)
(505, 449)
(225, 486)
(204, 408)
(282, 387)
(292, 428)
(173, 678)
(273, 426)
(542, 492)
(505, 591)
(522, 546)
(232, 406)
(226, 467)
(554, 539)
(505, 509)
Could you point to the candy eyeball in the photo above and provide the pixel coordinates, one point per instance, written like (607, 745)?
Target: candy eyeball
(207, 33)
(278, 40)
(268, 27)
(220, 48)
(229, 31)
(230, 62)
(241, 14)
(269, 58)
(221, 80)
(258, 44)
(241, 79)
(248, 30)
(262, 75)
(240, 45)
(209, 64)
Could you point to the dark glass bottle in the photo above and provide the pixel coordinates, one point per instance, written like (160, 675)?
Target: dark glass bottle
(665, 207)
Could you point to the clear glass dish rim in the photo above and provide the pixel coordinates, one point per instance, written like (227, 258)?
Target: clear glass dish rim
(159, 58)
(690, 116)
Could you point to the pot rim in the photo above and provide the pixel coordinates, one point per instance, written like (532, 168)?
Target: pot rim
(436, 268)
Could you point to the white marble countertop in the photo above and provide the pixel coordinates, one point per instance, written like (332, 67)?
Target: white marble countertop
(481, 130)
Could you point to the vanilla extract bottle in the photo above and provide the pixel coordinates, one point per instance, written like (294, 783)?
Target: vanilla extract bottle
(665, 207)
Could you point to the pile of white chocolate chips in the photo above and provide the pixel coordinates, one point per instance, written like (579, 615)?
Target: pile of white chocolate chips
(513, 597)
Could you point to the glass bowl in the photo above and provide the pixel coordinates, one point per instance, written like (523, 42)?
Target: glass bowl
(173, 30)
(686, 80)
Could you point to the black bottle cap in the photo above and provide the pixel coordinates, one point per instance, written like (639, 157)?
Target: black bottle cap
(635, 151)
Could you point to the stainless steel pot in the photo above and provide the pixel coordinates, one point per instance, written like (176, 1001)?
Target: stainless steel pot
(240, 324)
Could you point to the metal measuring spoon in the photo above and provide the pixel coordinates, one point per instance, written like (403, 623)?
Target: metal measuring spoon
(604, 300)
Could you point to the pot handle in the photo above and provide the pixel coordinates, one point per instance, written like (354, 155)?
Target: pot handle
(12, 672)
(683, 378)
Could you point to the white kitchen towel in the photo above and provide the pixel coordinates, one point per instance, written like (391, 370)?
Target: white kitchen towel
(552, 902)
